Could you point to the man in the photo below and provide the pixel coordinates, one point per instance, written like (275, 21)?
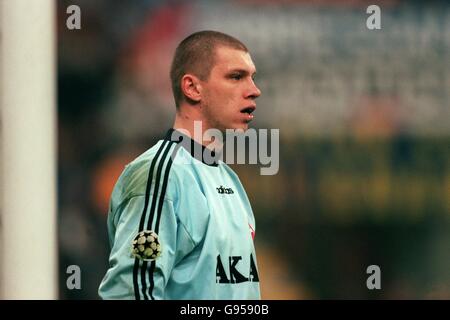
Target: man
(184, 229)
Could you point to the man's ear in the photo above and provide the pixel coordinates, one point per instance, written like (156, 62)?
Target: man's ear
(191, 87)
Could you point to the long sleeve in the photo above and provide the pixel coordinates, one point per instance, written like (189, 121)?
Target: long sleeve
(133, 278)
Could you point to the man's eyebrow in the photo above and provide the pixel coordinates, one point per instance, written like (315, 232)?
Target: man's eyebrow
(241, 71)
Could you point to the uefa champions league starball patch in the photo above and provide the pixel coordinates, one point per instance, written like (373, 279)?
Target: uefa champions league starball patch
(146, 246)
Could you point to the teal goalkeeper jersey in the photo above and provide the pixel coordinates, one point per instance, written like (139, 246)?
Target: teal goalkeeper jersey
(180, 227)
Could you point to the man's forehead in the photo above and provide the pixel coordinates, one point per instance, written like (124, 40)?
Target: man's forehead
(228, 59)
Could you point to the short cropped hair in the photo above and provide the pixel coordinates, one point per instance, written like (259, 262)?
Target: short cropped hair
(196, 55)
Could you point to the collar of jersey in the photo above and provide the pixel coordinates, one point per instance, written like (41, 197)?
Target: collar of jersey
(193, 145)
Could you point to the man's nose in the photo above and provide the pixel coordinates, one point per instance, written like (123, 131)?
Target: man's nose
(254, 91)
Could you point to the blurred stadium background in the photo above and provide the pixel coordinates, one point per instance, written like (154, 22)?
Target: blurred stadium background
(364, 119)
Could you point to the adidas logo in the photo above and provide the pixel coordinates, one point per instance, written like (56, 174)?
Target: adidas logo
(222, 190)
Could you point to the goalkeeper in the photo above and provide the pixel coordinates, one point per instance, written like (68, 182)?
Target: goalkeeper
(180, 224)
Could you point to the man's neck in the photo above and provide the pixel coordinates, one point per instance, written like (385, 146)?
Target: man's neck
(195, 127)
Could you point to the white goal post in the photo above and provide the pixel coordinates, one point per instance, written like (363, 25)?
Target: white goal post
(28, 238)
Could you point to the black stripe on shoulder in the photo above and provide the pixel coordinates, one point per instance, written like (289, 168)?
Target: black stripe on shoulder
(152, 282)
(152, 208)
(164, 188)
(149, 184)
(157, 183)
(159, 210)
(135, 279)
(143, 215)
(143, 283)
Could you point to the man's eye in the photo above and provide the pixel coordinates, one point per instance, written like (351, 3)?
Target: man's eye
(236, 77)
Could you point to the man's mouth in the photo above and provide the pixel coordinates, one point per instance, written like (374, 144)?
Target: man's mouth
(248, 113)
(249, 110)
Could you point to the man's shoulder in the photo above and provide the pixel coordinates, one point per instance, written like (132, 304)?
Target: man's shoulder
(160, 165)
(133, 179)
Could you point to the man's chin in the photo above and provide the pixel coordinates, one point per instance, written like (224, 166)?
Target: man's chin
(240, 127)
